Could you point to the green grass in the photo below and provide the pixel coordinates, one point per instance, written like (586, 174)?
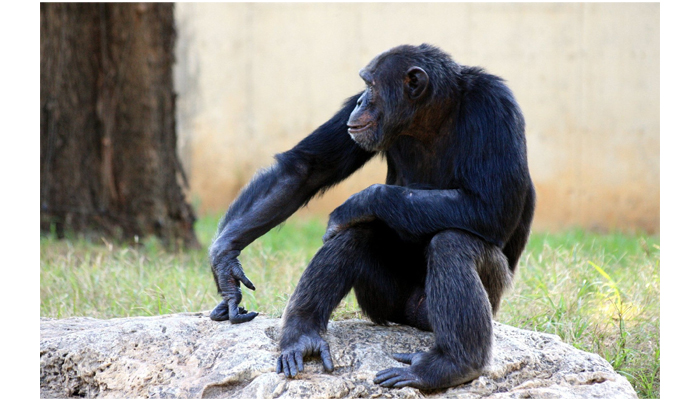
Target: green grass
(598, 292)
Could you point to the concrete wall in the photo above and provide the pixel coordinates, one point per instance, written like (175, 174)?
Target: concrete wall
(254, 79)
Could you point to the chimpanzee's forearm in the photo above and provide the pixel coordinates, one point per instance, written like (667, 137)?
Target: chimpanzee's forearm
(415, 214)
(269, 199)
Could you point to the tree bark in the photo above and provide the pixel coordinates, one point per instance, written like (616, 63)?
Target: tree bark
(109, 163)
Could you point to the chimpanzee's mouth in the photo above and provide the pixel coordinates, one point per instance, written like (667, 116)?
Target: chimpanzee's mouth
(355, 129)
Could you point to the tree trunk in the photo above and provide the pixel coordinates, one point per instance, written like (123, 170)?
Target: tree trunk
(108, 146)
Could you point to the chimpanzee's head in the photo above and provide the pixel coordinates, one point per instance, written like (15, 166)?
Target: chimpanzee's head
(403, 86)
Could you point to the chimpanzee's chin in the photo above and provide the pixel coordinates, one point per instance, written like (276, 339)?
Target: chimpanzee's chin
(365, 140)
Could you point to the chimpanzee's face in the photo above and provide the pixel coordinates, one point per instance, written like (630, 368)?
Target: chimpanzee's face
(387, 106)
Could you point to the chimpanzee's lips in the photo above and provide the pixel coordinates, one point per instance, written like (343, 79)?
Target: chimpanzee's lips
(353, 129)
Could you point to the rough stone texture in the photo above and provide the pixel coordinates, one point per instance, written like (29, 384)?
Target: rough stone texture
(188, 355)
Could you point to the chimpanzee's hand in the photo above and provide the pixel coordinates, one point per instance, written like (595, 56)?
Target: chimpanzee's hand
(229, 274)
(292, 359)
(332, 230)
(356, 209)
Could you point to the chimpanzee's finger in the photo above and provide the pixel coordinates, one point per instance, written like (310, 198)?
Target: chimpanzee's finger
(220, 312)
(406, 358)
(290, 359)
(386, 374)
(246, 281)
(397, 377)
(230, 288)
(234, 315)
(326, 357)
(237, 319)
(238, 273)
(331, 232)
(409, 382)
(285, 366)
(299, 358)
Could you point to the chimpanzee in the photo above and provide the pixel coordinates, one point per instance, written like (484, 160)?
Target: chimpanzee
(433, 248)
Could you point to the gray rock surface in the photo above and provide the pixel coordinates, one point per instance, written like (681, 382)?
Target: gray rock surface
(188, 356)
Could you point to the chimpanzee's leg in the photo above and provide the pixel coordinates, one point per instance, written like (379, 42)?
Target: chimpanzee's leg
(459, 312)
(358, 257)
(495, 275)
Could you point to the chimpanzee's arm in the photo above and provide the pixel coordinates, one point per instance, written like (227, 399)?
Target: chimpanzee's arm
(417, 214)
(322, 159)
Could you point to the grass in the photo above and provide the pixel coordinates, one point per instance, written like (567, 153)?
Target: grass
(598, 292)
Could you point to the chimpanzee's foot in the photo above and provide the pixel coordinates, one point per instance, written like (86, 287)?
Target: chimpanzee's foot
(398, 378)
(427, 371)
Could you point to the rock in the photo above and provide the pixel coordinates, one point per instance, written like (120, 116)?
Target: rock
(188, 355)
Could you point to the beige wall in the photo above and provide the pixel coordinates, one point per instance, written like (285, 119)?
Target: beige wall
(254, 79)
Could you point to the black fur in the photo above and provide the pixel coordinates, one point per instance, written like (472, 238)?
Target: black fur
(434, 247)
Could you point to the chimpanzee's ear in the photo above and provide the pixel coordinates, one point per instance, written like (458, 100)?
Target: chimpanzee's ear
(415, 83)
